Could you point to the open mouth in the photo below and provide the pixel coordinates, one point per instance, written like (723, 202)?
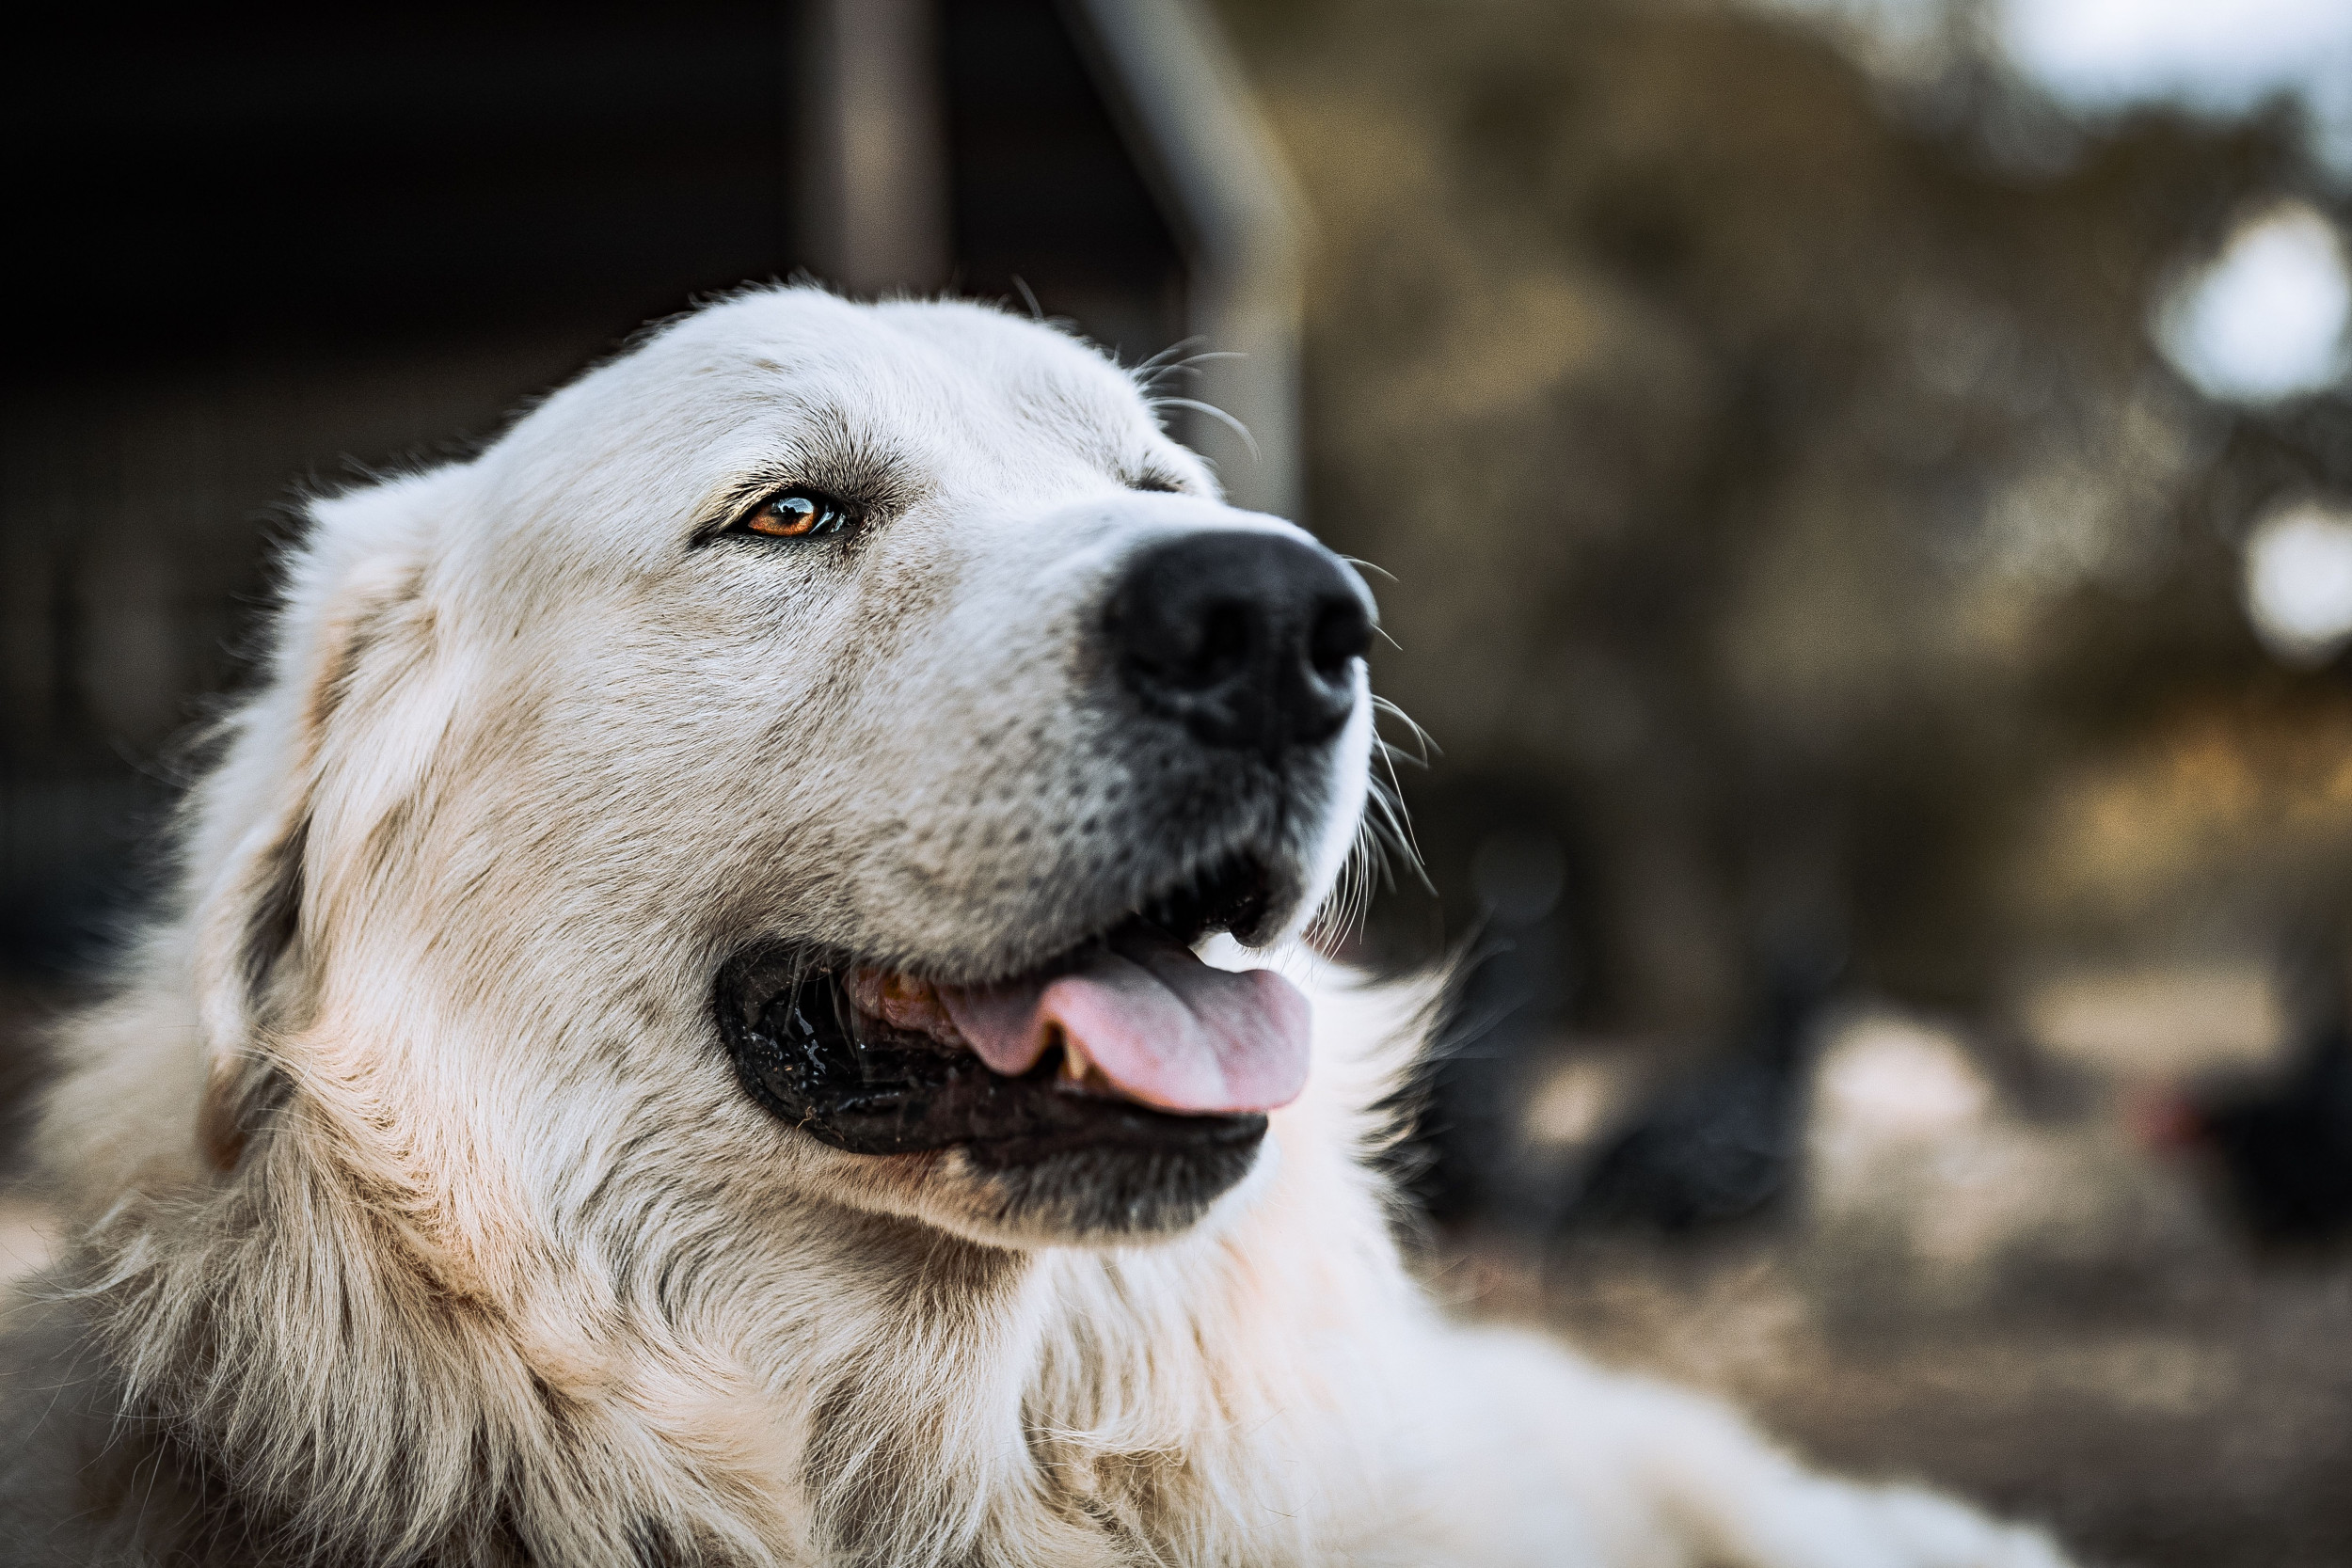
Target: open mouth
(1128, 1040)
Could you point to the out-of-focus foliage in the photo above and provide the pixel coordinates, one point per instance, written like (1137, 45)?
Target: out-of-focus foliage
(1792, 516)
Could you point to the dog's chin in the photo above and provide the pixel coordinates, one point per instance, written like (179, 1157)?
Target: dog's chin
(1038, 1157)
(1099, 1196)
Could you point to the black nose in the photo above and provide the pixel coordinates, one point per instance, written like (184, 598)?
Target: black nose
(1250, 639)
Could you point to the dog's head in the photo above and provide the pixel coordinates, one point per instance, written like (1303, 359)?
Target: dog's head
(805, 752)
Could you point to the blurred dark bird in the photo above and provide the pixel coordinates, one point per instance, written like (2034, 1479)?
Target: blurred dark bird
(1721, 1146)
(2283, 1150)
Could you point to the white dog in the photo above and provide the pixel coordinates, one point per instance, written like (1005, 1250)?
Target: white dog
(681, 1040)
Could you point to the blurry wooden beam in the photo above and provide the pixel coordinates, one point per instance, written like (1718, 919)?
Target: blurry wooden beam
(874, 149)
(1193, 126)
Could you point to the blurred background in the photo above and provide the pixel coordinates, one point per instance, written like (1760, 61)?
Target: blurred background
(1860, 493)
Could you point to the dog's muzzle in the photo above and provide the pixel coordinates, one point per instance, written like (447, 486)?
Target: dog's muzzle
(1109, 1073)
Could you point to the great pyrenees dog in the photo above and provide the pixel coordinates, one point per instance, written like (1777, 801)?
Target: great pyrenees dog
(733, 1000)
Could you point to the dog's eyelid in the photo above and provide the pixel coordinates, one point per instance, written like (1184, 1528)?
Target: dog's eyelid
(788, 512)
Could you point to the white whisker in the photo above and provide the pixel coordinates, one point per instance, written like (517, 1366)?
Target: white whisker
(1213, 412)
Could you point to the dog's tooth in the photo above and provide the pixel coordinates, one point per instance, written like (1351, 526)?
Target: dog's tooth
(1078, 1069)
(904, 1002)
(905, 991)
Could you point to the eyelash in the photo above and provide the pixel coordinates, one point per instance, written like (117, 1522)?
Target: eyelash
(797, 514)
(803, 512)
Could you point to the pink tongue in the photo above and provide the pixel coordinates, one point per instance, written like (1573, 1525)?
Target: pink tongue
(1164, 1027)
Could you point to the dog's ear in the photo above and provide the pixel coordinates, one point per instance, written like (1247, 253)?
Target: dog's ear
(353, 634)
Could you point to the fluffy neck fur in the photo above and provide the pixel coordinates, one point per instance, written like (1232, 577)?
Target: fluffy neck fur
(840, 1388)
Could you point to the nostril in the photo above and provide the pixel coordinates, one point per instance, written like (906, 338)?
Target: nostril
(1228, 640)
(1194, 648)
(1342, 633)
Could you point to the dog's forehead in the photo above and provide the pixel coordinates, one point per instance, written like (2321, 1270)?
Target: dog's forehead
(953, 378)
(963, 409)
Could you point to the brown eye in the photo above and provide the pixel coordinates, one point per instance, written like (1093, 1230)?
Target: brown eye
(798, 515)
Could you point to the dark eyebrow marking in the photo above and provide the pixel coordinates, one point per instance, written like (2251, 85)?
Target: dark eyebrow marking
(826, 451)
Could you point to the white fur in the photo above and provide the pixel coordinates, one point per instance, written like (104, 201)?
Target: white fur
(424, 1220)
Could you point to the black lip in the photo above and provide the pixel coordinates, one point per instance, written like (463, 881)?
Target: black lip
(1231, 894)
(804, 1053)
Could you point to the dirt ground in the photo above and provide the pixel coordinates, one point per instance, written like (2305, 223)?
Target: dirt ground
(2203, 1423)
